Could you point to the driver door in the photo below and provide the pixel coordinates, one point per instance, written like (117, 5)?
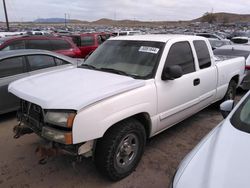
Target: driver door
(178, 98)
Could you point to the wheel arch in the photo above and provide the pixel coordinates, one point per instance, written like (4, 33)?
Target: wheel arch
(143, 118)
(236, 79)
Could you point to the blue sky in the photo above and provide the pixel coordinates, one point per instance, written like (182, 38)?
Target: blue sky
(90, 10)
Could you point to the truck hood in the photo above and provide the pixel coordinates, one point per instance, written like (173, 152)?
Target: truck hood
(221, 161)
(72, 88)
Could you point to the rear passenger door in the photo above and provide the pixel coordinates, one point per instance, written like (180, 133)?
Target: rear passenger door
(207, 73)
(178, 98)
(11, 69)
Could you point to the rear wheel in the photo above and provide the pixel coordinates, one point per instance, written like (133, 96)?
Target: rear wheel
(119, 151)
(231, 91)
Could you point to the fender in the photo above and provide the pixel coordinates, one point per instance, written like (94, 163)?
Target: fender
(93, 121)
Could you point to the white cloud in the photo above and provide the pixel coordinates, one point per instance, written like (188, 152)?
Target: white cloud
(28, 10)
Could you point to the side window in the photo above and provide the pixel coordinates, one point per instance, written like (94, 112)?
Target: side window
(202, 54)
(99, 39)
(16, 45)
(39, 44)
(61, 62)
(87, 40)
(37, 62)
(60, 44)
(181, 54)
(11, 66)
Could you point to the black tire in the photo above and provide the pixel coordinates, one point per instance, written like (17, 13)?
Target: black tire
(231, 91)
(119, 151)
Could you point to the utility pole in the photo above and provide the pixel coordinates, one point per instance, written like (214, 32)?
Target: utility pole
(6, 16)
(65, 20)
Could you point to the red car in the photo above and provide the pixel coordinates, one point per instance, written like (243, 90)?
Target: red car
(88, 42)
(62, 45)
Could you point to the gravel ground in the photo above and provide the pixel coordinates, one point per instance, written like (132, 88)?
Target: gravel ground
(19, 166)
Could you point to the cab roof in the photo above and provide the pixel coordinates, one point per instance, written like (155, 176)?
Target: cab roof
(158, 37)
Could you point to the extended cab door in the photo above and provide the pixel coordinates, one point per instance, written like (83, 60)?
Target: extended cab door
(178, 98)
(207, 73)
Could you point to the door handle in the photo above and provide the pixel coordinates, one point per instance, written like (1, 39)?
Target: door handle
(196, 81)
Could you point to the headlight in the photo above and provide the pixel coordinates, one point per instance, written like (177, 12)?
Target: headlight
(63, 119)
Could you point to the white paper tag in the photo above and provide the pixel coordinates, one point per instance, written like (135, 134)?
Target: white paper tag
(149, 49)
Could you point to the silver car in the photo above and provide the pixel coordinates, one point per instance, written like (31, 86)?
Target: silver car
(221, 159)
(18, 64)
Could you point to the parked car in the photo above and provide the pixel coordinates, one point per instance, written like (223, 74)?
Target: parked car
(130, 89)
(237, 50)
(125, 33)
(209, 36)
(62, 45)
(16, 64)
(221, 159)
(215, 40)
(88, 42)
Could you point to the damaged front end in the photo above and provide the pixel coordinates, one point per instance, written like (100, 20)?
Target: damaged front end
(55, 126)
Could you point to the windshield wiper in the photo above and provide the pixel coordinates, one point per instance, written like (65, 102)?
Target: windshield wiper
(115, 71)
(88, 66)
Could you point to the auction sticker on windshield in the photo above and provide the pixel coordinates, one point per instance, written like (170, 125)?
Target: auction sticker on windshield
(149, 49)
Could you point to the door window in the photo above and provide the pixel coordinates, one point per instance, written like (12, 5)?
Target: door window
(39, 44)
(60, 44)
(37, 62)
(181, 54)
(16, 45)
(87, 41)
(61, 62)
(11, 67)
(202, 54)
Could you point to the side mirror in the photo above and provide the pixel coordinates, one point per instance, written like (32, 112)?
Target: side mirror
(172, 72)
(226, 107)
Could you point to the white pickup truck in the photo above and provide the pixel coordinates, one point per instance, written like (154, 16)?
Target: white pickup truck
(130, 89)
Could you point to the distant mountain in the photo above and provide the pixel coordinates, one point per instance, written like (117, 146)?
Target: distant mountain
(57, 20)
(49, 20)
(223, 17)
(219, 17)
(130, 23)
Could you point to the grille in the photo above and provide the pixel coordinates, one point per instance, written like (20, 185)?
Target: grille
(33, 114)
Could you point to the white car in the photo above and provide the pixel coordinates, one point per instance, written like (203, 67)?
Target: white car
(221, 159)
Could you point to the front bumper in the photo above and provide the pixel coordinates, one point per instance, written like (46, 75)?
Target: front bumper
(34, 119)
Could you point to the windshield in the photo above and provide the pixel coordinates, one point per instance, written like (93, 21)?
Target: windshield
(138, 59)
(241, 117)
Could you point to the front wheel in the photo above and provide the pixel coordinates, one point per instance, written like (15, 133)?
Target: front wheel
(119, 151)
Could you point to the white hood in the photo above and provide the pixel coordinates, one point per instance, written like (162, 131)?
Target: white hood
(72, 89)
(221, 161)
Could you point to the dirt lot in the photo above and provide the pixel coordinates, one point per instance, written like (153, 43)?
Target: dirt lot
(19, 165)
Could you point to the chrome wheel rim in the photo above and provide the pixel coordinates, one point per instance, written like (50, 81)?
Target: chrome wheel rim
(127, 150)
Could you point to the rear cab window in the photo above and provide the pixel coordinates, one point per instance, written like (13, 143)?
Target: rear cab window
(202, 54)
(181, 54)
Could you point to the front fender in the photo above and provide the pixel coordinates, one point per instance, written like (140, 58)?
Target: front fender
(92, 122)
